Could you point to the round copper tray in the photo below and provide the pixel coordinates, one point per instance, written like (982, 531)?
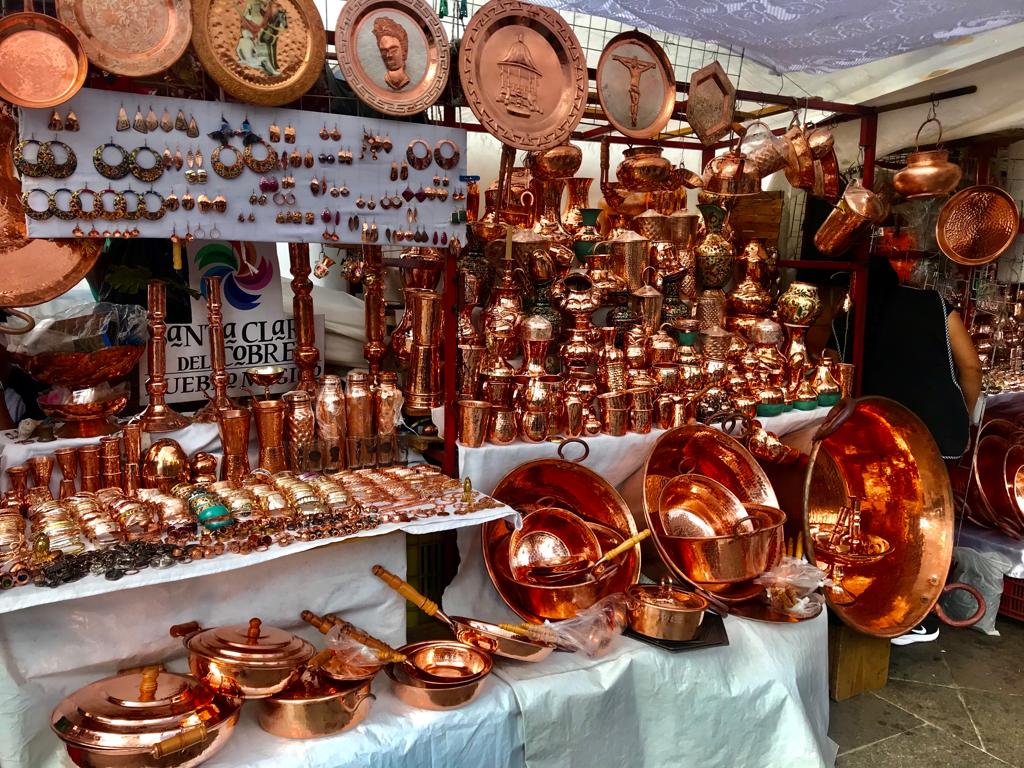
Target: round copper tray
(523, 74)
(977, 225)
(41, 270)
(636, 85)
(1013, 475)
(44, 64)
(132, 39)
(236, 54)
(361, 37)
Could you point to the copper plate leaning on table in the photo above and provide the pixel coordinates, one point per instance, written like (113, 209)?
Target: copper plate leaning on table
(393, 53)
(523, 73)
(131, 39)
(44, 63)
(269, 61)
(636, 85)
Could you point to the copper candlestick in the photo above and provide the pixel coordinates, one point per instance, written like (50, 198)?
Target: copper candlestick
(89, 464)
(131, 437)
(218, 376)
(306, 354)
(67, 460)
(158, 416)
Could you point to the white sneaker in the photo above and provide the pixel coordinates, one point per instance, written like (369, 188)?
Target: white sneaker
(925, 632)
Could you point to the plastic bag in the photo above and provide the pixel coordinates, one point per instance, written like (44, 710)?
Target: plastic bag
(790, 587)
(101, 393)
(350, 653)
(84, 328)
(984, 571)
(592, 630)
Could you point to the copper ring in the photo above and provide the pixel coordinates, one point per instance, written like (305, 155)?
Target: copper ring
(65, 169)
(419, 162)
(255, 165)
(232, 171)
(79, 211)
(450, 161)
(56, 210)
(31, 212)
(148, 175)
(153, 214)
(105, 169)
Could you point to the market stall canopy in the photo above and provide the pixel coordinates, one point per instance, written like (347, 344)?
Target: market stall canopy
(819, 35)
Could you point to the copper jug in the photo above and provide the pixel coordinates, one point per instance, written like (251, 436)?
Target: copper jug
(927, 173)
(643, 169)
(630, 256)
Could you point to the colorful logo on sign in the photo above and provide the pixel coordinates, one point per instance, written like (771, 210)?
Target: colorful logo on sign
(242, 271)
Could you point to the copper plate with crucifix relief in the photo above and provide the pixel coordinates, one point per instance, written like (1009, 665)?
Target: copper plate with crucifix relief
(636, 85)
(266, 52)
(393, 53)
(523, 73)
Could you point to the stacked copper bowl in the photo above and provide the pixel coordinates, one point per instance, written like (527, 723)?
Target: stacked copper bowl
(995, 497)
(440, 674)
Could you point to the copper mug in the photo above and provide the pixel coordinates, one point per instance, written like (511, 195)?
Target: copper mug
(498, 390)
(534, 426)
(269, 415)
(503, 428)
(473, 422)
(471, 360)
(616, 401)
(641, 420)
(630, 257)
(233, 425)
(642, 398)
(614, 421)
(575, 416)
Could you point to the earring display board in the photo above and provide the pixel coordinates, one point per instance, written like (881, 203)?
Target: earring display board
(174, 168)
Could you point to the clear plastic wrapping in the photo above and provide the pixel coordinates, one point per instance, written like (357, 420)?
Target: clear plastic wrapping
(791, 587)
(350, 653)
(84, 328)
(593, 629)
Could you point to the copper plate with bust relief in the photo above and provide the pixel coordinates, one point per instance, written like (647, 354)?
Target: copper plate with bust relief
(636, 85)
(523, 74)
(132, 39)
(393, 53)
(267, 52)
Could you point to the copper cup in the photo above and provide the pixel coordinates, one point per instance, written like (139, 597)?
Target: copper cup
(67, 460)
(233, 425)
(423, 385)
(668, 377)
(614, 376)
(41, 468)
(616, 401)
(89, 464)
(575, 416)
(534, 427)
(502, 429)
(642, 398)
(471, 359)
(614, 421)
(845, 373)
(473, 422)
(426, 308)
(498, 390)
(269, 415)
(641, 420)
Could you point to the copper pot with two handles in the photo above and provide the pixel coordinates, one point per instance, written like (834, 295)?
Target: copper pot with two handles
(927, 173)
(664, 612)
(146, 719)
(251, 661)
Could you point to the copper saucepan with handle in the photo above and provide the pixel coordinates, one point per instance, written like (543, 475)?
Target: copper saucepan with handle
(487, 637)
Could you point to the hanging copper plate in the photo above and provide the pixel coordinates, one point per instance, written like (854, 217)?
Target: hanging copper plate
(710, 102)
(267, 52)
(44, 64)
(131, 39)
(976, 225)
(636, 85)
(523, 74)
(393, 53)
(883, 454)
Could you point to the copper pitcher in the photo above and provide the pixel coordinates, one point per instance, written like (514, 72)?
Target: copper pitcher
(858, 209)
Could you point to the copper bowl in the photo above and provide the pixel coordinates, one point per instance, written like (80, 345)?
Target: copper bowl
(444, 663)
(343, 675)
(85, 419)
(432, 698)
(664, 612)
(79, 370)
(310, 708)
(550, 537)
(696, 506)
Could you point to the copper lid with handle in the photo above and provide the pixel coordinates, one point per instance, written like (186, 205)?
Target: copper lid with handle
(252, 645)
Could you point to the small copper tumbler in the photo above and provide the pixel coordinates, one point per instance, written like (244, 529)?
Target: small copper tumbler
(471, 359)
(845, 372)
(614, 421)
(575, 416)
(426, 308)
(41, 468)
(89, 464)
(640, 420)
(474, 417)
(67, 460)
(534, 427)
(269, 415)
(503, 428)
(234, 437)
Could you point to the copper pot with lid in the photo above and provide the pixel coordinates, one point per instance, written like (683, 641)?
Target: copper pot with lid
(248, 661)
(312, 707)
(664, 612)
(147, 719)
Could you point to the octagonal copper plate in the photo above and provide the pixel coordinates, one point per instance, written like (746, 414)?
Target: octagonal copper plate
(523, 74)
(710, 103)
(267, 52)
(636, 85)
(393, 53)
(977, 225)
(44, 64)
(132, 39)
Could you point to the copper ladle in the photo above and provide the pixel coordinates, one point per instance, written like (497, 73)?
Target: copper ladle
(569, 573)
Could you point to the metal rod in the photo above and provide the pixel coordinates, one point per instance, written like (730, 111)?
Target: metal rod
(450, 461)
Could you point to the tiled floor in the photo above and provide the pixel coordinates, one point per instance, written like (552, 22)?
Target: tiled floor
(954, 703)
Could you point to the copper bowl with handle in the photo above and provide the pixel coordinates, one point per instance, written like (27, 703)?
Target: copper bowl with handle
(146, 719)
(664, 612)
(551, 538)
(251, 661)
(444, 663)
(415, 694)
(311, 707)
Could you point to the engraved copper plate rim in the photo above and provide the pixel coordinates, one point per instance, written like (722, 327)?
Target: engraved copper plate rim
(668, 79)
(438, 59)
(481, 95)
(80, 15)
(27, 283)
(709, 131)
(251, 90)
(1000, 218)
(32, 24)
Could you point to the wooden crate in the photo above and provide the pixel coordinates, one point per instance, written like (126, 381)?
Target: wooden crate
(757, 216)
(856, 662)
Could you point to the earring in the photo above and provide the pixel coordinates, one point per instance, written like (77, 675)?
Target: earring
(139, 123)
(307, 159)
(171, 201)
(168, 159)
(179, 121)
(360, 203)
(220, 204)
(335, 133)
(193, 128)
(122, 123)
(324, 133)
(289, 135)
(394, 171)
(55, 124)
(166, 123)
(251, 217)
(71, 123)
(151, 122)
(178, 162)
(274, 132)
(405, 171)
(187, 201)
(370, 203)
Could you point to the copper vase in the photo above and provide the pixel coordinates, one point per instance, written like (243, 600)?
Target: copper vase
(329, 409)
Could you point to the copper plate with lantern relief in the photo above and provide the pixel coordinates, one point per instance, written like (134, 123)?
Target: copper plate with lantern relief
(523, 74)
(393, 53)
(267, 52)
(133, 39)
(636, 85)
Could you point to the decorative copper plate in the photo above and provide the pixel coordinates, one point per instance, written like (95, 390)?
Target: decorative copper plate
(43, 63)
(636, 85)
(132, 39)
(394, 54)
(523, 73)
(710, 103)
(42, 270)
(266, 52)
(976, 225)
